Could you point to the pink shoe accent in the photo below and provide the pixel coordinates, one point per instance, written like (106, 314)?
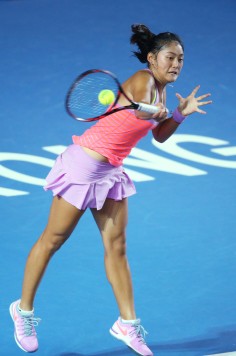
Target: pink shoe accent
(132, 335)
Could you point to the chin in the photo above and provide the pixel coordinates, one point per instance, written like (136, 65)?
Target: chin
(173, 80)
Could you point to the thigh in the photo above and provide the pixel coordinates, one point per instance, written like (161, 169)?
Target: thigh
(63, 217)
(112, 219)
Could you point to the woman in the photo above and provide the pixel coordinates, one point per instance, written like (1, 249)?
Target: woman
(89, 174)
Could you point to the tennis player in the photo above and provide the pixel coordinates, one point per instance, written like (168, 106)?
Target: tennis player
(89, 174)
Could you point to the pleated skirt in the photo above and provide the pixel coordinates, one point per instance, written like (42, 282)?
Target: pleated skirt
(86, 182)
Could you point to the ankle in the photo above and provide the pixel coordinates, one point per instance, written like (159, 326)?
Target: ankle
(24, 307)
(128, 316)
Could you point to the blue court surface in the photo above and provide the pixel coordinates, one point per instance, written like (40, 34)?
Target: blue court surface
(182, 222)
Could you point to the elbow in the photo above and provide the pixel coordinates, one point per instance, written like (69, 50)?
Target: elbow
(160, 139)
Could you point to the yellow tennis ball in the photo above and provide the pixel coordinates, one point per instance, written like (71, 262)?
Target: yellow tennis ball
(106, 97)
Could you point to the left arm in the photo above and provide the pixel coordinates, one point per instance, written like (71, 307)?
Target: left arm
(164, 130)
(187, 106)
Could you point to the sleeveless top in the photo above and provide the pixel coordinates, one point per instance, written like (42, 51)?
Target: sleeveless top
(115, 135)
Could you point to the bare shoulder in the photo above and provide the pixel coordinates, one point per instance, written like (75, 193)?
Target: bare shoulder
(140, 86)
(141, 78)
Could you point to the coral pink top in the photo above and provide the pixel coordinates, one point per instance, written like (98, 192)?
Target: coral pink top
(115, 135)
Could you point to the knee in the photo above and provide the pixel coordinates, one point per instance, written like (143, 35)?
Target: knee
(52, 241)
(116, 246)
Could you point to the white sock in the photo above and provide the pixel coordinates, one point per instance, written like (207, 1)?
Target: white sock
(128, 321)
(25, 312)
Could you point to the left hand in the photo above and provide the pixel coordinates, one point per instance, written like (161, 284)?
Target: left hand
(191, 104)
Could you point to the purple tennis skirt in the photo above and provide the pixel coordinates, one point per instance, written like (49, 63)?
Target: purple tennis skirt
(86, 182)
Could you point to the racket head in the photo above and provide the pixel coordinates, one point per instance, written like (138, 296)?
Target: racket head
(82, 99)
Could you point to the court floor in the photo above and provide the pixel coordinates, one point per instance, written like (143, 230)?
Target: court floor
(181, 232)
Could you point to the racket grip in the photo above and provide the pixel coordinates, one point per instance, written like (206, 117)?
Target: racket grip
(152, 109)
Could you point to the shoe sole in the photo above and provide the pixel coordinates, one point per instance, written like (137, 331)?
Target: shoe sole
(126, 343)
(15, 337)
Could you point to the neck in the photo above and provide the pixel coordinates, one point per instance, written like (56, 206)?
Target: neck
(160, 84)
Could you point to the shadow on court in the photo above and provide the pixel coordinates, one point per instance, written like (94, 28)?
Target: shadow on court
(216, 341)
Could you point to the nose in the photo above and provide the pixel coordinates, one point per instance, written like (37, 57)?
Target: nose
(175, 63)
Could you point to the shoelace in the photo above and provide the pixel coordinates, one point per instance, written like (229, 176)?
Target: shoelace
(29, 323)
(140, 332)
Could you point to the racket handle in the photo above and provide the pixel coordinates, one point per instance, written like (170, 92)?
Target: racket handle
(152, 109)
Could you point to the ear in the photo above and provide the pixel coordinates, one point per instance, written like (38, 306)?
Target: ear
(150, 58)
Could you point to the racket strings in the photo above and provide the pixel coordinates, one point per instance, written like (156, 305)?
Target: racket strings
(83, 100)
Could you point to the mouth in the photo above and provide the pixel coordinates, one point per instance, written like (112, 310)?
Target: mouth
(173, 72)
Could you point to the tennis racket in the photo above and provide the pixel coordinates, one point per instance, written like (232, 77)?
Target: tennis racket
(94, 95)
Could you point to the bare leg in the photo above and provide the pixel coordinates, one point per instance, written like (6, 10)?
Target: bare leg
(62, 221)
(112, 221)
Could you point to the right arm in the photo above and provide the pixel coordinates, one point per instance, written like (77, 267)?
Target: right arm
(141, 88)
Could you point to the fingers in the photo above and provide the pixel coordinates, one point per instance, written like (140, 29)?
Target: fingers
(205, 103)
(161, 114)
(191, 103)
(179, 96)
(201, 104)
(203, 96)
(201, 111)
(161, 106)
(195, 90)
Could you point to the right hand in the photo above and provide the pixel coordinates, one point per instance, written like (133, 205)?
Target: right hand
(162, 114)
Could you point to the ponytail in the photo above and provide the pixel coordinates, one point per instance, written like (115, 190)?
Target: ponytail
(143, 38)
(147, 41)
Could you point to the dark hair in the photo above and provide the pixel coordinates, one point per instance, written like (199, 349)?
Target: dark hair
(147, 41)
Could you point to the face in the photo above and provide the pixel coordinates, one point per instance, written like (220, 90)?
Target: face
(167, 64)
